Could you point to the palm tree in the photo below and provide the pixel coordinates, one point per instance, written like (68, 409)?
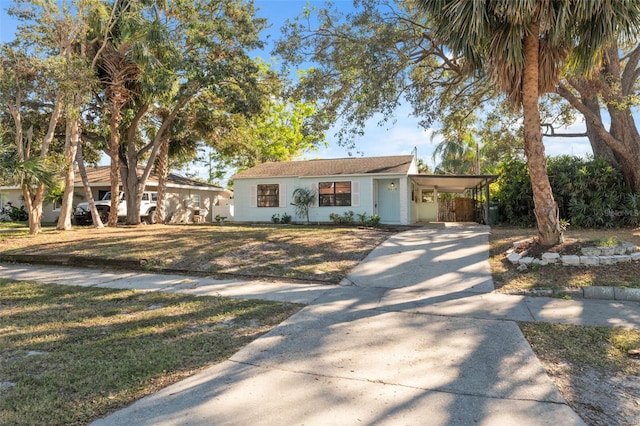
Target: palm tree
(458, 155)
(522, 45)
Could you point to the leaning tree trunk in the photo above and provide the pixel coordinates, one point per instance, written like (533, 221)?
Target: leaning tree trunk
(546, 209)
(163, 172)
(95, 216)
(598, 144)
(623, 129)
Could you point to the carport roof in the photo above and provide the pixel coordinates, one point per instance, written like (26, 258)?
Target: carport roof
(453, 183)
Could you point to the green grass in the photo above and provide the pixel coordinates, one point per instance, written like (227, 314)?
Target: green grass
(606, 242)
(13, 225)
(74, 354)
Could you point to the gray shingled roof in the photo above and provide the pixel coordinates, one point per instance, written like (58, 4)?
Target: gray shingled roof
(339, 166)
(100, 175)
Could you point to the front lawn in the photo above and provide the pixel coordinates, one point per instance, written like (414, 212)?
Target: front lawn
(325, 253)
(69, 355)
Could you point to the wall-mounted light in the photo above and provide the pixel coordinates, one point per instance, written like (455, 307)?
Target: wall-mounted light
(392, 187)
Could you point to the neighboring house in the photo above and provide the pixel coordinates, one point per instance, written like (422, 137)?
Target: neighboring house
(389, 187)
(184, 197)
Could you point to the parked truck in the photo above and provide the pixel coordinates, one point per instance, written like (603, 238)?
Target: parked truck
(82, 214)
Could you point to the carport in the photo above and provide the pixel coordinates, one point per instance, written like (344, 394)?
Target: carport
(457, 184)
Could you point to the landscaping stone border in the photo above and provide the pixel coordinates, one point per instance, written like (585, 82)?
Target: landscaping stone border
(591, 256)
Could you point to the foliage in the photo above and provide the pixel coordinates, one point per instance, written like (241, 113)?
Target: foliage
(590, 193)
(368, 62)
(283, 131)
(285, 219)
(345, 219)
(14, 214)
(365, 220)
(172, 66)
(522, 47)
(303, 199)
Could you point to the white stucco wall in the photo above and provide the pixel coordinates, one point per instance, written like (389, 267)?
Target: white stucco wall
(362, 188)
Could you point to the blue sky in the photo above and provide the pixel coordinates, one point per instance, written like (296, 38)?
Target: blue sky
(397, 139)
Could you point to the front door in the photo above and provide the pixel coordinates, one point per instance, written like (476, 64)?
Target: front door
(389, 200)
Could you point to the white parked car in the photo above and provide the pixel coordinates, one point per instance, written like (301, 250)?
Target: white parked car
(82, 215)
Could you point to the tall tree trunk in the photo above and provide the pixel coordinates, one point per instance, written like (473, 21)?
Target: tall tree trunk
(615, 85)
(114, 155)
(546, 209)
(70, 149)
(133, 192)
(163, 172)
(95, 216)
(33, 198)
(598, 145)
(623, 127)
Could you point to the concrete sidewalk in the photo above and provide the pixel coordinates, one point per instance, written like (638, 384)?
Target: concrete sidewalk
(413, 336)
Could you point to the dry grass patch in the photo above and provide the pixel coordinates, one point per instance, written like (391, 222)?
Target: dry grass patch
(592, 368)
(299, 252)
(69, 355)
(508, 279)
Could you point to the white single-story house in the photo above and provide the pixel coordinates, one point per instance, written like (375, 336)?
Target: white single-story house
(184, 197)
(389, 187)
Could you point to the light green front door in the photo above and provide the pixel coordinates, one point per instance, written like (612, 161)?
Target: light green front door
(389, 200)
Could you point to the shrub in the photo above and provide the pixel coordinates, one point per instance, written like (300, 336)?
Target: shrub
(345, 219)
(589, 193)
(303, 199)
(373, 221)
(15, 214)
(284, 219)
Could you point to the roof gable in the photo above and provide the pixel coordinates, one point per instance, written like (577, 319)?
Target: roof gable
(332, 167)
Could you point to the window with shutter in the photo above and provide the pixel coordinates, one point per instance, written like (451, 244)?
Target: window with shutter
(268, 195)
(334, 193)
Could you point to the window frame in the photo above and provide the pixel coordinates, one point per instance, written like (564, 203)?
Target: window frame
(332, 198)
(262, 198)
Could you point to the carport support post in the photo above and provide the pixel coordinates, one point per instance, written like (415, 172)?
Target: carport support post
(486, 210)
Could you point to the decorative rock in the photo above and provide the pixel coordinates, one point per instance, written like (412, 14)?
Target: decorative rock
(522, 267)
(607, 251)
(591, 251)
(590, 260)
(514, 258)
(570, 260)
(622, 293)
(598, 292)
(635, 255)
(526, 260)
(629, 247)
(550, 257)
(518, 243)
(539, 262)
(620, 249)
(607, 260)
(621, 258)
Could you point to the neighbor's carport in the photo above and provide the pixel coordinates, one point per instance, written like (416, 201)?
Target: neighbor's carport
(477, 184)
